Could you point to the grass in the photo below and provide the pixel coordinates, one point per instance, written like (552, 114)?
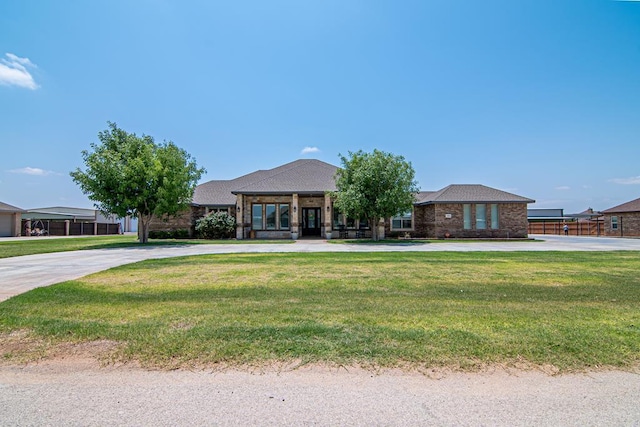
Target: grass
(42, 245)
(570, 311)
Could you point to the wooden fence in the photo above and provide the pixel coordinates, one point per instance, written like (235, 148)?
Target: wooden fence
(581, 228)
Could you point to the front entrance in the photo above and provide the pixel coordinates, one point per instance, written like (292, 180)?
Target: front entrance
(311, 222)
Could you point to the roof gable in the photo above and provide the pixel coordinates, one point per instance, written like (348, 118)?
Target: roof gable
(300, 176)
(471, 193)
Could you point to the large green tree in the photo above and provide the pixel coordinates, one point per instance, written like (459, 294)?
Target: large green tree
(128, 174)
(374, 186)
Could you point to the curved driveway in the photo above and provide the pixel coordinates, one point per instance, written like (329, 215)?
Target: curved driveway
(20, 274)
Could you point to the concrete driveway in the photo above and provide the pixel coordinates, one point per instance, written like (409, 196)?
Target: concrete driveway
(20, 274)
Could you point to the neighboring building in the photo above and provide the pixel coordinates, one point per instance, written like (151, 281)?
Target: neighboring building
(293, 200)
(622, 220)
(65, 221)
(9, 220)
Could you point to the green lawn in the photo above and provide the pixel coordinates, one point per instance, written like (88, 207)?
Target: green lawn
(42, 245)
(571, 311)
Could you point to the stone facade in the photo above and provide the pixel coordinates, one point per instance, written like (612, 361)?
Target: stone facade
(628, 224)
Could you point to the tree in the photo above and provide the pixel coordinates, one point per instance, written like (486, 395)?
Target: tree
(131, 175)
(374, 186)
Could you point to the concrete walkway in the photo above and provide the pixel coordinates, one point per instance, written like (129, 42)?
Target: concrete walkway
(20, 274)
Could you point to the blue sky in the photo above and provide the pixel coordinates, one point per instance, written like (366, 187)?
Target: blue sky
(540, 98)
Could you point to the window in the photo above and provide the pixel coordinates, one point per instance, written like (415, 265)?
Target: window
(614, 222)
(403, 221)
(495, 218)
(466, 214)
(284, 216)
(270, 217)
(481, 217)
(256, 217)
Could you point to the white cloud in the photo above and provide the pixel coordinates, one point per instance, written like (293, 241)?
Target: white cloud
(13, 72)
(626, 181)
(33, 171)
(563, 188)
(309, 150)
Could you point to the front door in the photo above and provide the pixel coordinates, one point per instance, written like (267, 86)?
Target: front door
(311, 221)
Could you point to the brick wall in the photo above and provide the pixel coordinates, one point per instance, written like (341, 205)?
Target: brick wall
(628, 225)
(183, 221)
(442, 220)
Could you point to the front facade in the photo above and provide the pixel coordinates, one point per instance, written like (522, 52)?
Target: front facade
(622, 220)
(293, 201)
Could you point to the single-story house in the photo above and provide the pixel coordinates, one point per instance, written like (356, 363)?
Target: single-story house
(9, 220)
(293, 200)
(622, 220)
(66, 221)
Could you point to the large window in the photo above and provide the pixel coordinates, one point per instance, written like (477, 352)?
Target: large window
(256, 217)
(481, 216)
(284, 217)
(466, 215)
(614, 222)
(402, 222)
(495, 218)
(270, 216)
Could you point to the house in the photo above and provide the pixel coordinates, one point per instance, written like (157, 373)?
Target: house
(66, 221)
(622, 220)
(293, 200)
(9, 220)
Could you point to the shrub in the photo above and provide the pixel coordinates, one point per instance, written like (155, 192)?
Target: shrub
(217, 225)
(181, 233)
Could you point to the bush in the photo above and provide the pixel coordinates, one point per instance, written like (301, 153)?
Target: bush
(218, 225)
(181, 233)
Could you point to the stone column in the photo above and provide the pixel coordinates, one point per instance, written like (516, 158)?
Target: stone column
(239, 217)
(66, 227)
(327, 216)
(295, 223)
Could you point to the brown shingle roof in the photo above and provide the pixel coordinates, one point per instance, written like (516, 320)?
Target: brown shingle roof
(300, 176)
(632, 206)
(470, 193)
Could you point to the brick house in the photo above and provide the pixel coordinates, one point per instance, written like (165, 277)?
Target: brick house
(293, 201)
(623, 220)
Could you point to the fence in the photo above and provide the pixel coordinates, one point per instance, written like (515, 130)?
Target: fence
(576, 228)
(58, 228)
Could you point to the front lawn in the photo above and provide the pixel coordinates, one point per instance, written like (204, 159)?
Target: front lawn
(570, 311)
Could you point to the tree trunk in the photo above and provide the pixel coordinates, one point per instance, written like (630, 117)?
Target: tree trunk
(143, 228)
(374, 229)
